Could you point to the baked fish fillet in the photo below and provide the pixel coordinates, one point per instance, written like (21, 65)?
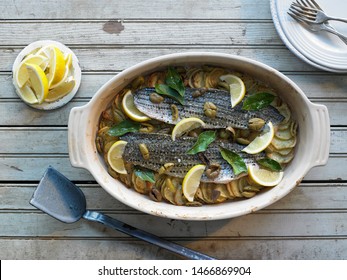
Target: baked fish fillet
(194, 107)
(163, 150)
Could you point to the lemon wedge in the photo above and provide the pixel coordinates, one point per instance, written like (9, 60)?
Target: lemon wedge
(236, 87)
(56, 69)
(22, 75)
(115, 156)
(44, 51)
(130, 109)
(61, 90)
(263, 176)
(28, 95)
(191, 181)
(260, 143)
(38, 81)
(68, 63)
(186, 125)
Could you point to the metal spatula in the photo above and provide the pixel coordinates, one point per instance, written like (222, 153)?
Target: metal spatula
(59, 197)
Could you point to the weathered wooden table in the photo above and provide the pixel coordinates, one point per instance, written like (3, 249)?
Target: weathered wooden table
(109, 36)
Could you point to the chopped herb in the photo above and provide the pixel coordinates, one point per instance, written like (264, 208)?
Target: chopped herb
(270, 164)
(167, 91)
(145, 175)
(235, 160)
(123, 128)
(258, 101)
(205, 138)
(174, 81)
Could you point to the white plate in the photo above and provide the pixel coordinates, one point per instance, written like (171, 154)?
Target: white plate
(76, 73)
(320, 49)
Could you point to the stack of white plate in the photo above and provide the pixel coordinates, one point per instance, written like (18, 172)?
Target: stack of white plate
(320, 49)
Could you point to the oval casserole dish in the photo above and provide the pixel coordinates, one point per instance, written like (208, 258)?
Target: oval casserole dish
(312, 148)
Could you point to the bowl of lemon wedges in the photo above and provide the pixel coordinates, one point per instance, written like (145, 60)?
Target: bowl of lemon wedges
(46, 74)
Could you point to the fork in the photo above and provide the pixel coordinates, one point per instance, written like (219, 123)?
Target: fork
(315, 27)
(314, 12)
(313, 5)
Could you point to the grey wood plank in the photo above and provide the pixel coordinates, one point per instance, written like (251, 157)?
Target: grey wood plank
(116, 58)
(333, 170)
(314, 85)
(45, 140)
(113, 32)
(31, 168)
(17, 197)
(321, 85)
(250, 249)
(119, 9)
(308, 196)
(32, 117)
(42, 140)
(336, 113)
(338, 142)
(259, 224)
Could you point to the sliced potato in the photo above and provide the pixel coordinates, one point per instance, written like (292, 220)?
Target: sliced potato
(281, 158)
(283, 144)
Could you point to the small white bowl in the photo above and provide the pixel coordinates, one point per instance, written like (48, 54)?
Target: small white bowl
(312, 147)
(75, 64)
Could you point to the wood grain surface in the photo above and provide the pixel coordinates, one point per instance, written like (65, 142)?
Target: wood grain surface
(108, 37)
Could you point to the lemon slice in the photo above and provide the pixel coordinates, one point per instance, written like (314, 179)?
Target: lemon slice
(260, 143)
(115, 156)
(61, 90)
(186, 125)
(56, 69)
(22, 75)
(236, 87)
(28, 95)
(38, 81)
(191, 181)
(264, 176)
(130, 109)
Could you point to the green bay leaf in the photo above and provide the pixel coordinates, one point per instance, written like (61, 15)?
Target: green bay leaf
(205, 138)
(174, 81)
(235, 160)
(270, 164)
(168, 91)
(257, 101)
(124, 127)
(145, 174)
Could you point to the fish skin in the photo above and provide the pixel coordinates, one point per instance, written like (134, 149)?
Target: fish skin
(163, 150)
(226, 115)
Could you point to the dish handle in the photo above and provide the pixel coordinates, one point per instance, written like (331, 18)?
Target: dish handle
(321, 130)
(77, 134)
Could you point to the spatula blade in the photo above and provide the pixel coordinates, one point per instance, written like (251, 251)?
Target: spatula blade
(59, 197)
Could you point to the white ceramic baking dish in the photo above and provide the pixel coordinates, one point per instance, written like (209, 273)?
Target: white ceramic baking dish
(312, 148)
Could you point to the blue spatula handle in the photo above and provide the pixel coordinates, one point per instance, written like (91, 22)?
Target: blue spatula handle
(145, 236)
